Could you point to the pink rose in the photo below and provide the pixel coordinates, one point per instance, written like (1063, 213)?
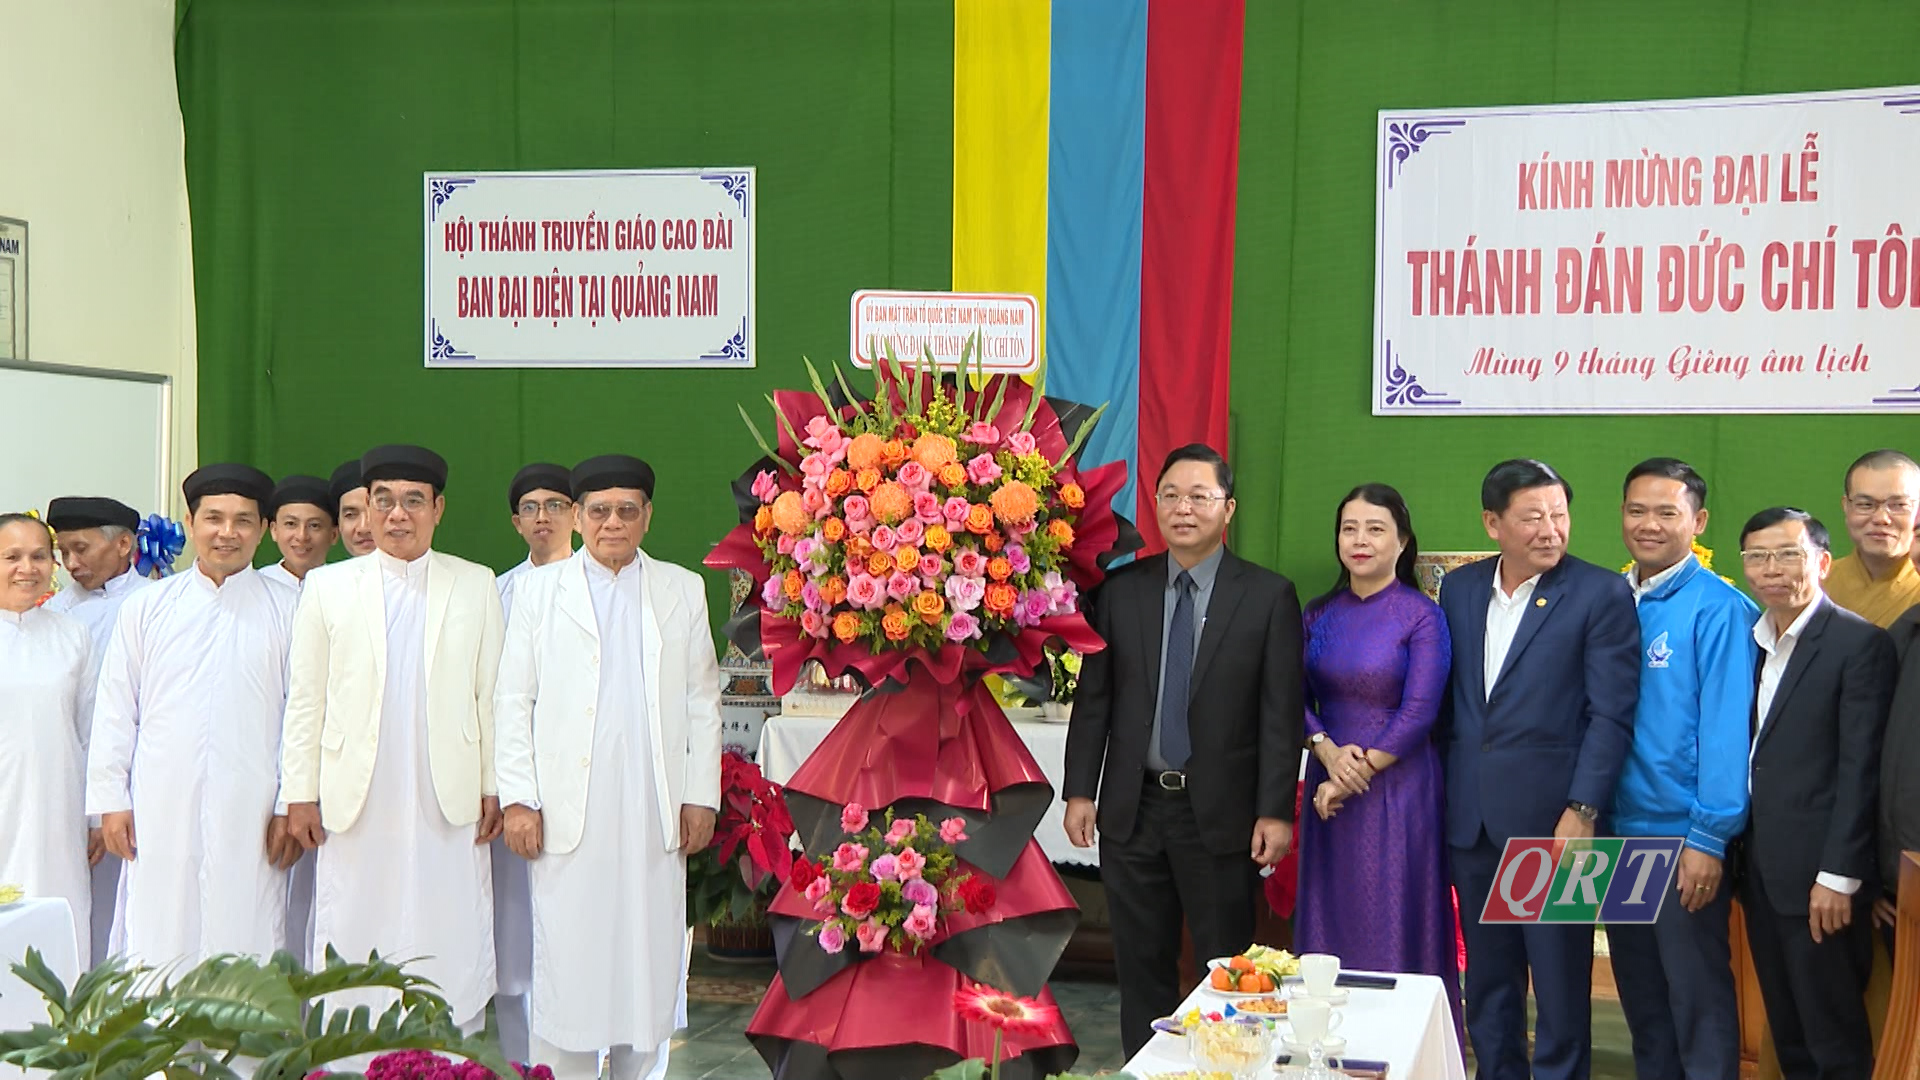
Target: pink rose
(914, 477)
(860, 524)
(818, 889)
(902, 828)
(1031, 608)
(766, 486)
(926, 508)
(814, 501)
(920, 924)
(832, 938)
(824, 435)
(1021, 442)
(910, 863)
(810, 596)
(784, 545)
(884, 538)
(853, 818)
(901, 585)
(969, 561)
(930, 566)
(983, 434)
(983, 469)
(855, 506)
(965, 593)
(953, 831)
(771, 596)
(963, 627)
(872, 935)
(815, 468)
(909, 532)
(955, 509)
(1021, 529)
(850, 857)
(865, 592)
(884, 868)
(918, 892)
(1017, 556)
(812, 623)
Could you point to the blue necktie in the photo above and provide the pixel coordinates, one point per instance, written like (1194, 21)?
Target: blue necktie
(1175, 746)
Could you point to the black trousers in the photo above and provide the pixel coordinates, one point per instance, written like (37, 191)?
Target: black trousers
(1813, 992)
(1153, 878)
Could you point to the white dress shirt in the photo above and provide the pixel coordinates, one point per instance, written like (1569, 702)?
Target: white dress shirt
(1642, 588)
(1779, 649)
(1503, 622)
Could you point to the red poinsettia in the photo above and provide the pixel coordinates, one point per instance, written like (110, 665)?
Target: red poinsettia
(753, 815)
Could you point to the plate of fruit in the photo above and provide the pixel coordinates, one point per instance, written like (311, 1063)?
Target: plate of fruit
(1237, 978)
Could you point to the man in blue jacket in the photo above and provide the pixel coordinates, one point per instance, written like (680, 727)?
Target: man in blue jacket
(1539, 718)
(1685, 776)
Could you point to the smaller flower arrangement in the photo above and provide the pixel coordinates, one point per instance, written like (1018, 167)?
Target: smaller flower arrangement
(427, 1065)
(890, 885)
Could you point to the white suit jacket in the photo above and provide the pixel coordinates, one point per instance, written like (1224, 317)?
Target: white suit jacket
(550, 682)
(337, 675)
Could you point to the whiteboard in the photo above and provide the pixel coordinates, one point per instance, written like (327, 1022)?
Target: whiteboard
(84, 431)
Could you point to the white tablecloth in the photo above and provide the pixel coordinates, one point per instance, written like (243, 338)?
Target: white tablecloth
(46, 925)
(1409, 1027)
(786, 741)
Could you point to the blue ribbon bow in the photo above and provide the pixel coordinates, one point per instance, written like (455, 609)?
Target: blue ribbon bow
(157, 544)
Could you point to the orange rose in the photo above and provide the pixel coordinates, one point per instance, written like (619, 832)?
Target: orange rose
(907, 559)
(792, 584)
(834, 589)
(879, 564)
(858, 548)
(929, 606)
(937, 539)
(763, 520)
(867, 479)
(789, 516)
(993, 541)
(890, 503)
(935, 452)
(894, 453)
(846, 626)
(895, 624)
(839, 482)
(998, 568)
(979, 515)
(833, 530)
(864, 451)
(1014, 502)
(1061, 532)
(953, 476)
(1073, 496)
(1000, 598)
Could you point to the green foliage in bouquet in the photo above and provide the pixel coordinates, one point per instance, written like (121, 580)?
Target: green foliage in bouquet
(127, 1022)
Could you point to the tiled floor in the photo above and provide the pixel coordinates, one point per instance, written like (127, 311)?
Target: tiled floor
(721, 997)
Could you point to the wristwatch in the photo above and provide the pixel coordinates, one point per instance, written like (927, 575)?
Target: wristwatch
(1588, 813)
(1316, 739)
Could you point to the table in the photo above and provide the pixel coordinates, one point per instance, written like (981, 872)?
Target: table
(44, 924)
(785, 742)
(1409, 1027)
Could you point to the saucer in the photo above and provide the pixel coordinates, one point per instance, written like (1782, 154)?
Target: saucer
(1333, 1046)
(1337, 998)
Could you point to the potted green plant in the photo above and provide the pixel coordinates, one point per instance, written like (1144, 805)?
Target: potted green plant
(1063, 665)
(128, 1022)
(732, 880)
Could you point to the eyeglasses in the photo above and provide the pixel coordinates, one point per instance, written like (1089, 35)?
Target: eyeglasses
(414, 503)
(1788, 558)
(553, 507)
(1169, 501)
(1866, 506)
(628, 511)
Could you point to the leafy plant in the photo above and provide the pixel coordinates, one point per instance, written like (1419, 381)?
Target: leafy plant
(129, 1022)
(731, 881)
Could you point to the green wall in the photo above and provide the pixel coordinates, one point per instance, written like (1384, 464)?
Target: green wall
(309, 123)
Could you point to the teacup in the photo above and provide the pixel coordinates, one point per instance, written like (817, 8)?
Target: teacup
(1312, 1019)
(1318, 971)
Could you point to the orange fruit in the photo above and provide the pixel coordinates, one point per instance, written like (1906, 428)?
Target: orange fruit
(1223, 979)
(1240, 963)
(1263, 982)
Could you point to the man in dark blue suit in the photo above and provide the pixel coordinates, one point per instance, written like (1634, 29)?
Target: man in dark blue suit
(1539, 721)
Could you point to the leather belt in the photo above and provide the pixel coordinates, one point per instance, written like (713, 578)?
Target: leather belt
(1169, 780)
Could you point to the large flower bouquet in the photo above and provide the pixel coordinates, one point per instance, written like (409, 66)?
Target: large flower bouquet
(933, 521)
(890, 884)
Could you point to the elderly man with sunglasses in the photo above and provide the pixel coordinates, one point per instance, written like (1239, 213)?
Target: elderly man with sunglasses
(609, 762)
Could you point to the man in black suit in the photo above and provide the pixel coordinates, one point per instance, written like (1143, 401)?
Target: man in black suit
(1195, 708)
(1826, 676)
(1900, 768)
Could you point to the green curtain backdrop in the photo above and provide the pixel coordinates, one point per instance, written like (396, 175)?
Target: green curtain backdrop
(308, 125)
